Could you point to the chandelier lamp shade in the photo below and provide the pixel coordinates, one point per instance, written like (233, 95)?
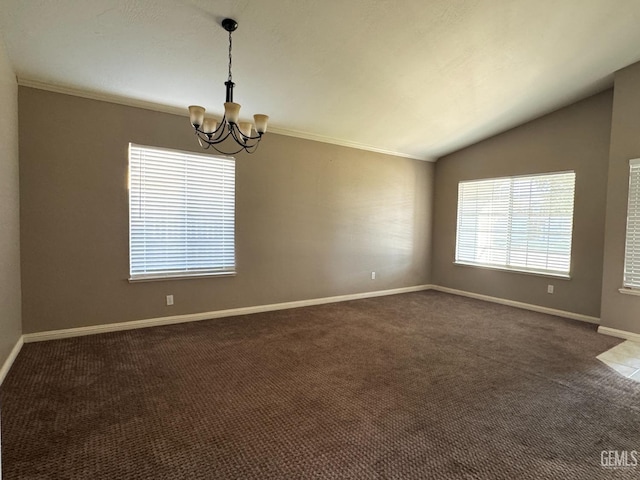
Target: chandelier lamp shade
(211, 132)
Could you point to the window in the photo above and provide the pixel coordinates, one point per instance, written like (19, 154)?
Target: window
(517, 223)
(181, 214)
(632, 249)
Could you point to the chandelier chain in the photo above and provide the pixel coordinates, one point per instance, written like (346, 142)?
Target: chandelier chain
(230, 57)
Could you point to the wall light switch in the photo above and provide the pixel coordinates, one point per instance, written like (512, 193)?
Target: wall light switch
(373, 275)
(169, 299)
(549, 288)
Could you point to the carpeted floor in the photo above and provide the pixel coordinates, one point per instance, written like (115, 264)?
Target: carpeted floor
(420, 385)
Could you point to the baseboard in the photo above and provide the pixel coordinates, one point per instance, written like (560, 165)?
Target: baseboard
(11, 358)
(525, 306)
(613, 332)
(194, 317)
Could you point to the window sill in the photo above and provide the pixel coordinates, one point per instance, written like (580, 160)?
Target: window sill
(160, 278)
(560, 276)
(630, 291)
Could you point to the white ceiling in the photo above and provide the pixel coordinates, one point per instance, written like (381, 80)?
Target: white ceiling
(420, 78)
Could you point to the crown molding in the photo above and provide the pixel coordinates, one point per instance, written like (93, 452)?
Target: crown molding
(101, 96)
(345, 143)
(157, 107)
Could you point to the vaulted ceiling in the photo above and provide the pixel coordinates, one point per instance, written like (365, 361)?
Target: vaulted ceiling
(419, 78)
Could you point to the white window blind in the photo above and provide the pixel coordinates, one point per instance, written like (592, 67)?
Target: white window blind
(181, 213)
(632, 249)
(518, 223)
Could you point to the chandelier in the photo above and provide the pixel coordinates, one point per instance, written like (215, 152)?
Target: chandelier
(211, 133)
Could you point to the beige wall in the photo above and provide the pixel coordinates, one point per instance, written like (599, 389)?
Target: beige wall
(621, 311)
(313, 220)
(574, 138)
(10, 324)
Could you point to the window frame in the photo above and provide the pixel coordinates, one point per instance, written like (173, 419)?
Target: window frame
(179, 274)
(629, 287)
(509, 268)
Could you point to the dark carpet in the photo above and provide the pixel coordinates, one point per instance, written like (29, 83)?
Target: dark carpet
(420, 385)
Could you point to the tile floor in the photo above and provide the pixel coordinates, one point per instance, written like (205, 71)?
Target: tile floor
(624, 359)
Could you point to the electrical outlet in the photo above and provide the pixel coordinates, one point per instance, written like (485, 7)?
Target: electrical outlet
(169, 299)
(373, 275)
(549, 288)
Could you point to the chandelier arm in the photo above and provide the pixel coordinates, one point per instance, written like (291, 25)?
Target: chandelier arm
(212, 141)
(252, 148)
(216, 133)
(243, 147)
(243, 140)
(257, 137)
(228, 153)
(236, 134)
(218, 136)
(219, 132)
